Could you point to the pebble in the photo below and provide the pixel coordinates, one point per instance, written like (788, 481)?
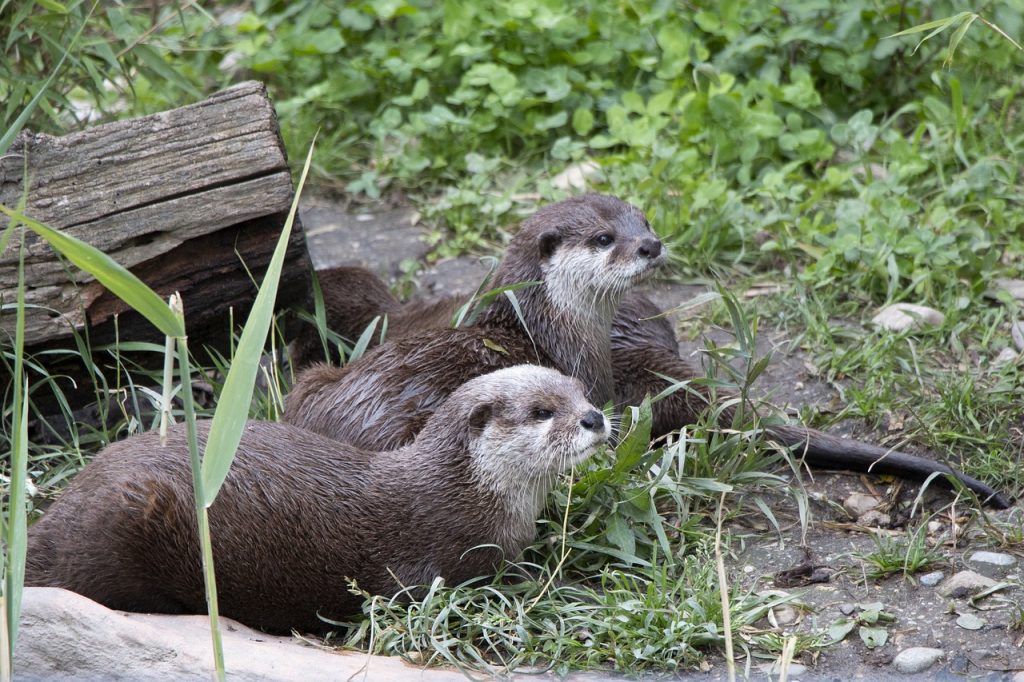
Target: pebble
(858, 504)
(901, 316)
(965, 584)
(993, 558)
(774, 668)
(847, 609)
(1017, 334)
(1006, 356)
(1014, 287)
(874, 519)
(784, 615)
(576, 176)
(917, 659)
(931, 579)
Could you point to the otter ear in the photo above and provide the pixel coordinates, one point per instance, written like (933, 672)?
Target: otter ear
(548, 242)
(480, 415)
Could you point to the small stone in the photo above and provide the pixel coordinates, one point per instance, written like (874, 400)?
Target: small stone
(935, 527)
(576, 176)
(1006, 357)
(993, 558)
(965, 584)
(931, 579)
(1018, 677)
(874, 519)
(968, 621)
(858, 504)
(1017, 334)
(917, 659)
(847, 609)
(1014, 287)
(783, 615)
(901, 316)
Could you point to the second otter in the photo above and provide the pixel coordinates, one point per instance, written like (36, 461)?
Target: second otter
(300, 514)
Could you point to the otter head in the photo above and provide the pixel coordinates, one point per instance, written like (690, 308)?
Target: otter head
(525, 424)
(589, 248)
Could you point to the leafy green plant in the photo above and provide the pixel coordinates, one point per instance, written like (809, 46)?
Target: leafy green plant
(893, 556)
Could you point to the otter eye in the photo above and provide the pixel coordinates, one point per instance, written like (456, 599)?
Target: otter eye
(604, 239)
(540, 414)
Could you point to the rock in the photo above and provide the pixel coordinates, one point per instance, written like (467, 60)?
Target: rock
(783, 615)
(874, 519)
(858, 504)
(1017, 334)
(1018, 677)
(847, 608)
(1006, 356)
(774, 669)
(931, 579)
(917, 659)
(992, 558)
(1014, 287)
(902, 316)
(576, 176)
(63, 635)
(965, 584)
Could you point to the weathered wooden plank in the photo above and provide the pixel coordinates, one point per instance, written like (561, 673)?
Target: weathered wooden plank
(152, 193)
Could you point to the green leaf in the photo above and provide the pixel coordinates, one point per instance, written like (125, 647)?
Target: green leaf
(838, 631)
(582, 121)
(620, 534)
(109, 273)
(233, 407)
(873, 637)
(637, 439)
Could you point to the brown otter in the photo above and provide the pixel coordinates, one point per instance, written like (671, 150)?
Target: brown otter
(289, 531)
(642, 347)
(588, 251)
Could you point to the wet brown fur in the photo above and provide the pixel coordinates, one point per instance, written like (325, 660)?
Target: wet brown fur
(299, 514)
(383, 399)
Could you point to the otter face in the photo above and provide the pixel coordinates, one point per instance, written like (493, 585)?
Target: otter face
(593, 246)
(528, 423)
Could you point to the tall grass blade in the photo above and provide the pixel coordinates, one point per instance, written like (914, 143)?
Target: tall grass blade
(17, 530)
(202, 516)
(109, 273)
(233, 407)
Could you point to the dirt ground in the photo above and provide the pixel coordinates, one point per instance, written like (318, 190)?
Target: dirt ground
(975, 637)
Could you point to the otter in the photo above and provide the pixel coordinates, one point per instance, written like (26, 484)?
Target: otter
(642, 349)
(586, 252)
(289, 532)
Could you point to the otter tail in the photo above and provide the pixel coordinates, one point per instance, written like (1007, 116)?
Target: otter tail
(826, 451)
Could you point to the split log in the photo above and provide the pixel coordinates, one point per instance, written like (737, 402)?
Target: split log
(190, 200)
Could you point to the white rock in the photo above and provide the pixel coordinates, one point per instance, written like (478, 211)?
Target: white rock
(858, 504)
(1006, 356)
(1014, 287)
(993, 558)
(917, 659)
(576, 176)
(965, 584)
(931, 579)
(66, 636)
(900, 316)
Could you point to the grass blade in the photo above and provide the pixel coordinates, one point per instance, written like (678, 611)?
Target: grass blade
(233, 407)
(109, 273)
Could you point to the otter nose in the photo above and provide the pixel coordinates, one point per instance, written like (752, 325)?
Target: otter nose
(650, 248)
(593, 421)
